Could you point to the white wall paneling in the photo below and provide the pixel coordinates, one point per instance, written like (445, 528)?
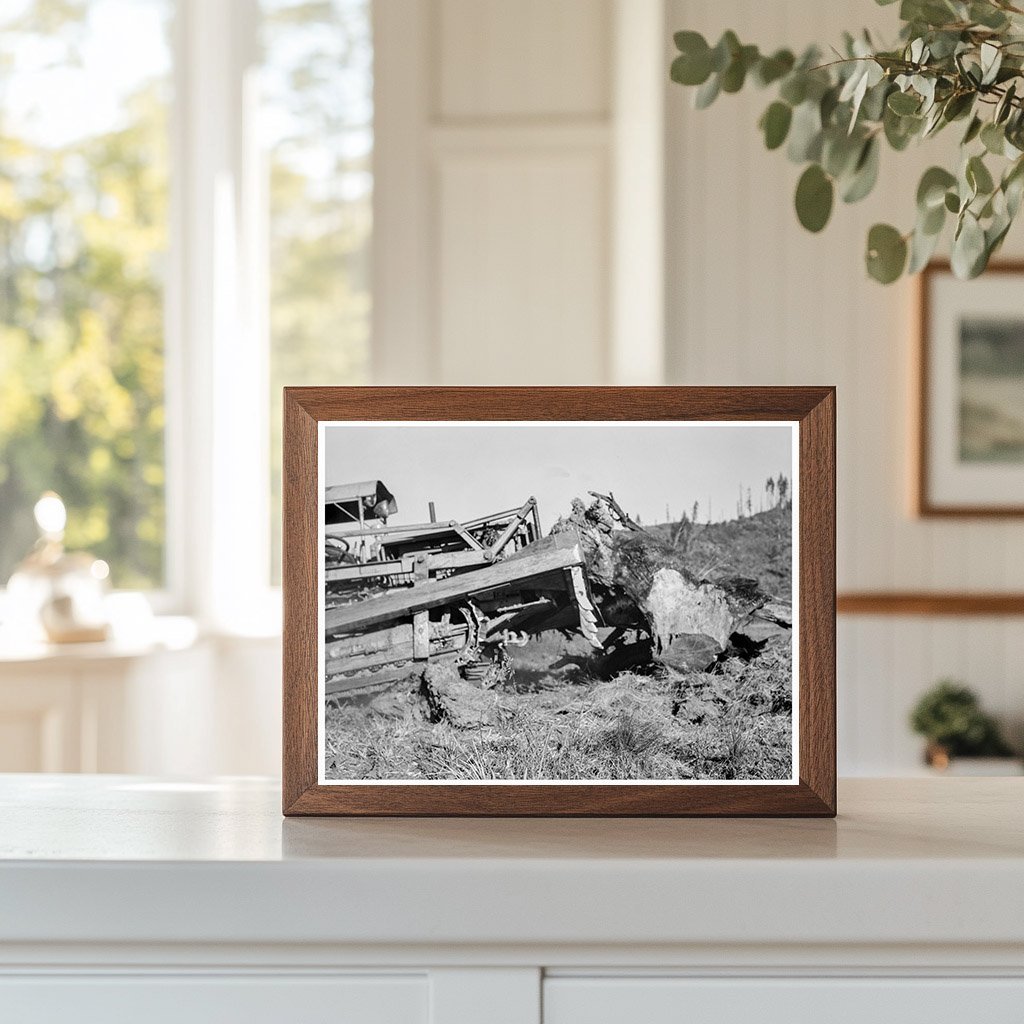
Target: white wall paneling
(513, 167)
(751, 298)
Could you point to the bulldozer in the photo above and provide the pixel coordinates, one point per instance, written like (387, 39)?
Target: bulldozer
(399, 598)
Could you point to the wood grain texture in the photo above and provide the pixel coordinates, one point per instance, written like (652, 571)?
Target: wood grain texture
(299, 599)
(925, 603)
(924, 506)
(812, 407)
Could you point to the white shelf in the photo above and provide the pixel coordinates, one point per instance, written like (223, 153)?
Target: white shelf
(120, 859)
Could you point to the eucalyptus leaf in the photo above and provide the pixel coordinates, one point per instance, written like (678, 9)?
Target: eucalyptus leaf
(886, 253)
(993, 138)
(922, 248)
(991, 60)
(794, 88)
(691, 69)
(904, 103)
(840, 152)
(925, 87)
(827, 106)
(932, 221)
(771, 69)
(1014, 192)
(958, 105)
(973, 130)
(987, 15)
(1005, 105)
(707, 93)
(931, 190)
(1013, 187)
(929, 12)
(814, 195)
(944, 44)
(978, 176)
(724, 51)
(900, 130)
(934, 121)
(805, 133)
(735, 74)
(865, 173)
(968, 248)
(873, 106)
(775, 124)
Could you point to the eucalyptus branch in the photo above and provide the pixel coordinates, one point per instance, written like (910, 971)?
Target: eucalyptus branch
(955, 61)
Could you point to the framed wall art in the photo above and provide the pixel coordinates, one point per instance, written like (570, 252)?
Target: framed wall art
(559, 601)
(970, 444)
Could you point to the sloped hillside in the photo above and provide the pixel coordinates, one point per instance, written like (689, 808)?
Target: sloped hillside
(760, 546)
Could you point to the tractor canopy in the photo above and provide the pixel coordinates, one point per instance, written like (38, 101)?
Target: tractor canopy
(355, 503)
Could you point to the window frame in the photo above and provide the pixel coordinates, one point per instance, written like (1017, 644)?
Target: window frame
(215, 320)
(217, 351)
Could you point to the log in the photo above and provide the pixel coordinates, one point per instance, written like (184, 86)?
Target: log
(640, 580)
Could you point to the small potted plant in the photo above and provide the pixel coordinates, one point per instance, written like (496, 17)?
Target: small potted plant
(951, 719)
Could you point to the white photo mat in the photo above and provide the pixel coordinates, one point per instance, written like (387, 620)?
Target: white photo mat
(330, 432)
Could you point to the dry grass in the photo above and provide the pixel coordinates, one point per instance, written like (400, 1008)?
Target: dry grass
(734, 724)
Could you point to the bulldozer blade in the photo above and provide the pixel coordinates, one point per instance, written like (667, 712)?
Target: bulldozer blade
(552, 553)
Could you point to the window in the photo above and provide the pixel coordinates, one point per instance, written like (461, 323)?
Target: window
(83, 235)
(317, 117)
(167, 264)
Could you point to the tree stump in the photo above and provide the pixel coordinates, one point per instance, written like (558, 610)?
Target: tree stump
(639, 580)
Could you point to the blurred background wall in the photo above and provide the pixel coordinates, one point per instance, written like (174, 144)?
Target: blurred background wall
(411, 191)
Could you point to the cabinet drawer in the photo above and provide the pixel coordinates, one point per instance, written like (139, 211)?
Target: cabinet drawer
(653, 1000)
(205, 999)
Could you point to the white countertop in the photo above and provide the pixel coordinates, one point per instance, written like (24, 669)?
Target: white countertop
(121, 859)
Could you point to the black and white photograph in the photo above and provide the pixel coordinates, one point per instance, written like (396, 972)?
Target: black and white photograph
(581, 602)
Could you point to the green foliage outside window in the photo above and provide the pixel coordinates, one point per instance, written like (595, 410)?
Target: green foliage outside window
(83, 243)
(83, 215)
(318, 110)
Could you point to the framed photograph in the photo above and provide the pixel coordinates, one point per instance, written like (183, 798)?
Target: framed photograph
(970, 450)
(559, 601)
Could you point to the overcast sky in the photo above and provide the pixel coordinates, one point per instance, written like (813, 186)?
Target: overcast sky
(471, 469)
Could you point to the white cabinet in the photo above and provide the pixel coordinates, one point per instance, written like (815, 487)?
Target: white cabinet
(127, 899)
(173, 704)
(668, 1000)
(202, 999)
(101, 707)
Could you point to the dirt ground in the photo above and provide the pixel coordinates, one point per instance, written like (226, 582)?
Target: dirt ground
(733, 724)
(556, 719)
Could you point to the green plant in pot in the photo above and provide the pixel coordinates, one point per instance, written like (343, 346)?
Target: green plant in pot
(957, 63)
(950, 718)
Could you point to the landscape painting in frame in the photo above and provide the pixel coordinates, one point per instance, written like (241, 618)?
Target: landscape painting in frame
(972, 393)
(992, 389)
(545, 602)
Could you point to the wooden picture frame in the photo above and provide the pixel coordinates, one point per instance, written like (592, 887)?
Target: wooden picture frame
(930, 377)
(811, 411)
